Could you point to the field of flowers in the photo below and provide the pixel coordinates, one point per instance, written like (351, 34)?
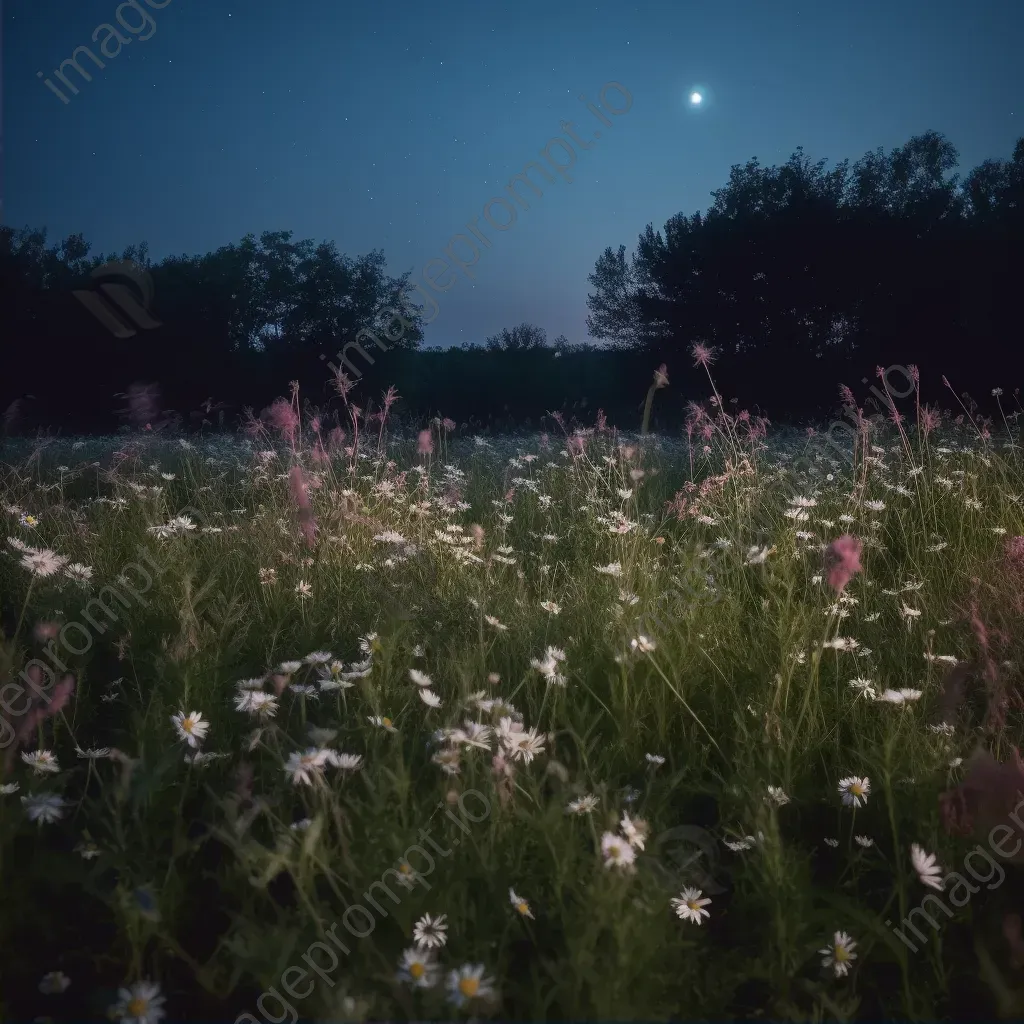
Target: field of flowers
(356, 726)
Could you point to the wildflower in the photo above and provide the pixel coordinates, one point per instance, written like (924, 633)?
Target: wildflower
(777, 796)
(703, 355)
(864, 687)
(611, 569)
(43, 562)
(140, 1004)
(87, 850)
(420, 678)
(550, 606)
(582, 805)
(345, 762)
(524, 746)
(448, 761)
(418, 968)
(29, 521)
(78, 572)
(306, 769)
(689, 906)
(843, 557)
(864, 841)
(905, 696)
(93, 753)
(492, 621)
(303, 589)
(431, 932)
(834, 843)
(757, 556)
(473, 734)
(927, 867)
(54, 983)
(746, 843)
(635, 831)
(617, 852)
(642, 644)
(381, 723)
(522, 907)
(839, 954)
(319, 658)
(256, 702)
(654, 759)
(468, 983)
(430, 698)
(191, 727)
(41, 762)
(9, 787)
(855, 791)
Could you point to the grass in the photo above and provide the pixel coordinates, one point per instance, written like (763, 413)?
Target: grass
(710, 669)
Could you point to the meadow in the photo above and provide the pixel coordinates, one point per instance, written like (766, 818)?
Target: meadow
(370, 725)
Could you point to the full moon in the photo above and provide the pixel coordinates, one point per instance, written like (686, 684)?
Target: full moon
(695, 98)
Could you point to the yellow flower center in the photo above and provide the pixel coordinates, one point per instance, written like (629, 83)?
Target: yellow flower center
(842, 954)
(386, 722)
(857, 789)
(692, 904)
(187, 724)
(137, 1007)
(417, 970)
(523, 907)
(469, 987)
(405, 869)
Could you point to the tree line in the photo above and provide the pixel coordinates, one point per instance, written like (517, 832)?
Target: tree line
(799, 276)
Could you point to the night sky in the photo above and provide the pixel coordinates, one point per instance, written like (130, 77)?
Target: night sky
(391, 125)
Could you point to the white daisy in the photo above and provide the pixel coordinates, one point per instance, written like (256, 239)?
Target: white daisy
(468, 983)
(418, 968)
(522, 907)
(689, 905)
(636, 831)
(420, 678)
(41, 762)
(855, 791)
(430, 698)
(839, 954)
(617, 852)
(191, 727)
(308, 768)
(256, 702)
(431, 932)
(582, 805)
(927, 867)
(140, 1004)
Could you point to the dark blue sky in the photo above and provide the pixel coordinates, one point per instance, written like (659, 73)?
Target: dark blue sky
(391, 125)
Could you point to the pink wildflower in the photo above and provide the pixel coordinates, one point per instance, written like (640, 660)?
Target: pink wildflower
(703, 355)
(844, 561)
(300, 495)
